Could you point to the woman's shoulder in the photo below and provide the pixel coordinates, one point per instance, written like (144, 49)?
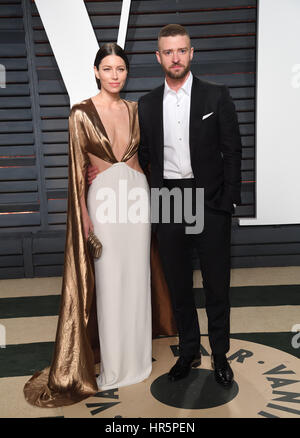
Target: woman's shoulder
(80, 108)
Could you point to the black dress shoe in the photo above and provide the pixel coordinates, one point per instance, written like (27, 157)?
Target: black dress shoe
(183, 366)
(223, 371)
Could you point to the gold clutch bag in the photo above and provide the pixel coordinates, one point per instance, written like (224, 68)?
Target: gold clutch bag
(94, 245)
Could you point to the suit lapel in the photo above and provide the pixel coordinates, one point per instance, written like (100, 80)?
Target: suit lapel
(197, 108)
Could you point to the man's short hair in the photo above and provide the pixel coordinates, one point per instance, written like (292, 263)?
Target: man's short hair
(172, 30)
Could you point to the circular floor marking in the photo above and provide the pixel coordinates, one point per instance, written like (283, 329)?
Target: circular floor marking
(266, 384)
(199, 390)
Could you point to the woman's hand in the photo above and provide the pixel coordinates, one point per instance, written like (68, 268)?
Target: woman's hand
(87, 225)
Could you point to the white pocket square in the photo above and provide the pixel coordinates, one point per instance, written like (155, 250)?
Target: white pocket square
(207, 115)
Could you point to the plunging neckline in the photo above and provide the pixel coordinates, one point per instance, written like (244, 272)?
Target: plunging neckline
(106, 135)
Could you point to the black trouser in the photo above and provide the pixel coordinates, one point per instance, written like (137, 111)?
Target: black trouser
(213, 248)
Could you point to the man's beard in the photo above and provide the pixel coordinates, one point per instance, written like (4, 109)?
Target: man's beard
(181, 75)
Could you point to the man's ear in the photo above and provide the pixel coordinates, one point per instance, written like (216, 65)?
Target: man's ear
(192, 53)
(158, 56)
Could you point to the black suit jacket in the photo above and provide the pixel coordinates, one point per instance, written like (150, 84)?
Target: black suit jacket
(215, 143)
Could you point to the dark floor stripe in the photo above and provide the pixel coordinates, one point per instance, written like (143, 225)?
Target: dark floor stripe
(240, 297)
(280, 340)
(26, 359)
(29, 306)
(246, 296)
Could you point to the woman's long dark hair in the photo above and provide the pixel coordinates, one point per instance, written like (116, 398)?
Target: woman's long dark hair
(109, 49)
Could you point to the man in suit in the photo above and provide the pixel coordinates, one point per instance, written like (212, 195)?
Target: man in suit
(190, 139)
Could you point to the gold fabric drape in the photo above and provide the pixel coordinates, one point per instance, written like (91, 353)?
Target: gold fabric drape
(71, 376)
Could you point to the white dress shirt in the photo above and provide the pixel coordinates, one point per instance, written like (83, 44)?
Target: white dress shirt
(176, 122)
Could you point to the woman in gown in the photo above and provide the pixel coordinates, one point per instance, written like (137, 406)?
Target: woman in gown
(105, 302)
(122, 273)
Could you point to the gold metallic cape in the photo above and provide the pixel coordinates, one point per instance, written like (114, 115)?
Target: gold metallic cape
(71, 376)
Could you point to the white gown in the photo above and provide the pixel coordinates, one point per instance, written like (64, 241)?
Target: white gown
(122, 275)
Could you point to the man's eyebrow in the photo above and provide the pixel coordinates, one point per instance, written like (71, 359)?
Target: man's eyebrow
(180, 48)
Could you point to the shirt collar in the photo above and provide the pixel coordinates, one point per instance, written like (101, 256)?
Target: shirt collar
(186, 87)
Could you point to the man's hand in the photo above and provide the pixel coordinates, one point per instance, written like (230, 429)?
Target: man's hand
(92, 172)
